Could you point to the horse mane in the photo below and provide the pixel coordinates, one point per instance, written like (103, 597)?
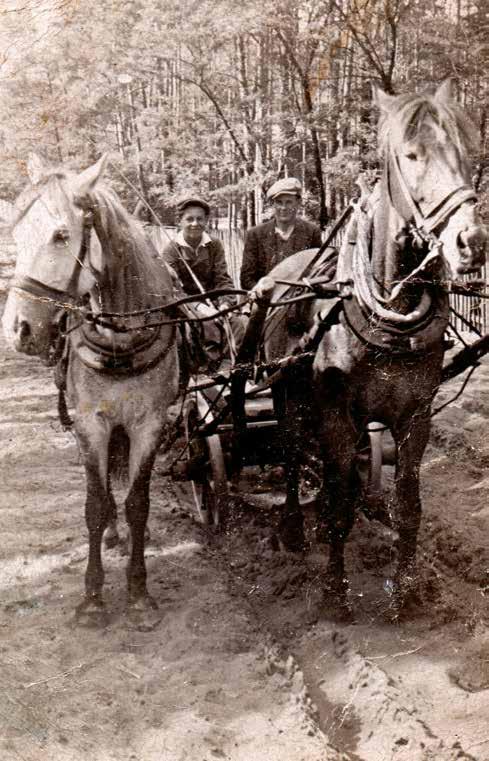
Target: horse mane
(135, 276)
(408, 115)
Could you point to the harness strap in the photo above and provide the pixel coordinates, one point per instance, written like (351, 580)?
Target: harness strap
(41, 290)
(436, 216)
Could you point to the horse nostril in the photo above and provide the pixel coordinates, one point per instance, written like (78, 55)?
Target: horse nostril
(24, 331)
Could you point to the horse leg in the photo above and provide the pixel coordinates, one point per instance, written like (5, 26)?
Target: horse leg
(111, 534)
(142, 455)
(411, 438)
(98, 506)
(112, 537)
(341, 485)
(291, 525)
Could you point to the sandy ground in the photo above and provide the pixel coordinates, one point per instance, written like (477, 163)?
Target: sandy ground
(245, 663)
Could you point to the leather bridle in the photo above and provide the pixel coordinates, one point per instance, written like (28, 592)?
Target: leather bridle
(409, 209)
(60, 297)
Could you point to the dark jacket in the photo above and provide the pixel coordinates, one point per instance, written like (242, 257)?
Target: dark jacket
(209, 266)
(261, 252)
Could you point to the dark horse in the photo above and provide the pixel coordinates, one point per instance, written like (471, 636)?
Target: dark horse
(77, 247)
(380, 357)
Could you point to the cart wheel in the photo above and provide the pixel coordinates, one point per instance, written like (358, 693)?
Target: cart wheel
(210, 491)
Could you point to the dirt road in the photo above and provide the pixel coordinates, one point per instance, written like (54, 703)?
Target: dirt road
(244, 664)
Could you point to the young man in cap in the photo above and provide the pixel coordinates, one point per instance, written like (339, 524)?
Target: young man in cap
(194, 255)
(285, 234)
(199, 262)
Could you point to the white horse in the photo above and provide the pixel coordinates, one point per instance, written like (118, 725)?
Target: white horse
(79, 252)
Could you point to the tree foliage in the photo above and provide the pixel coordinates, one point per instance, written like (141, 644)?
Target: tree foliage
(220, 98)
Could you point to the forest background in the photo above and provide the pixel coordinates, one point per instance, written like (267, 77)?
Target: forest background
(222, 98)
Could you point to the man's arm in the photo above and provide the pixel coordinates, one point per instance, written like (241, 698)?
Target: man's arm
(249, 267)
(170, 254)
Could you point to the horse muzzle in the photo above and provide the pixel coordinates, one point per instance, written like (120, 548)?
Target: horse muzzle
(28, 325)
(472, 244)
(23, 338)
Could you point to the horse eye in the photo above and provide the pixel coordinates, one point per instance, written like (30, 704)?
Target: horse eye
(61, 235)
(412, 156)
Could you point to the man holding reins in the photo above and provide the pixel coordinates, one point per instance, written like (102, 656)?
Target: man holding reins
(285, 234)
(197, 258)
(200, 264)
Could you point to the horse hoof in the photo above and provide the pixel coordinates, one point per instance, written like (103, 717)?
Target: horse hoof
(405, 599)
(143, 613)
(322, 534)
(336, 604)
(92, 613)
(291, 536)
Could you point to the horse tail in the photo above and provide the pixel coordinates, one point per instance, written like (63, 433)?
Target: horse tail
(119, 445)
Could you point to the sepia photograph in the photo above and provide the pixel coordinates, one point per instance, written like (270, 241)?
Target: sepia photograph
(244, 380)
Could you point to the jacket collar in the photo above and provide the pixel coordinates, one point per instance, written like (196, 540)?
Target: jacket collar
(299, 238)
(180, 241)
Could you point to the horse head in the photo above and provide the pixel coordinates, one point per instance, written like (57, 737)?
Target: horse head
(426, 141)
(49, 224)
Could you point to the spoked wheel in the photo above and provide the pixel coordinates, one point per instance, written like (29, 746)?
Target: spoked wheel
(209, 482)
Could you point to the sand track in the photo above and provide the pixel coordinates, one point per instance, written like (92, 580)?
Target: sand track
(245, 663)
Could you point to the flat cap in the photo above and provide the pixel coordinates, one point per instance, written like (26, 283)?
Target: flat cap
(193, 202)
(288, 186)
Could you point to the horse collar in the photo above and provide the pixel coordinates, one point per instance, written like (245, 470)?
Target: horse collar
(100, 353)
(379, 335)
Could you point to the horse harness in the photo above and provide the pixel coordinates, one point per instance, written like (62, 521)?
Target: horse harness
(383, 330)
(102, 353)
(94, 350)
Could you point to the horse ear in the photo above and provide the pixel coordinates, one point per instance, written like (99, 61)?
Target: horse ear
(86, 181)
(7, 212)
(381, 99)
(446, 91)
(37, 168)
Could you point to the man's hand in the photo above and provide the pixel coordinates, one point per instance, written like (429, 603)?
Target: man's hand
(263, 289)
(205, 310)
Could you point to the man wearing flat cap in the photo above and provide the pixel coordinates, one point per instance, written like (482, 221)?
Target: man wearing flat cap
(194, 255)
(285, 234)
(200, 265)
